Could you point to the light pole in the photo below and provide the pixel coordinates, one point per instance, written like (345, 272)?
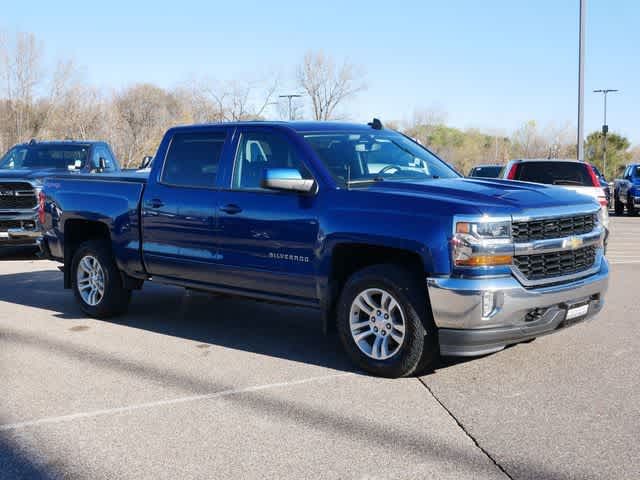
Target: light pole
(605, 127)
(583, 17)
(290, 96)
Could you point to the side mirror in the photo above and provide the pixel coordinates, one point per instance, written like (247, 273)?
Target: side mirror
(102, 164)
(287, 179)
(146, 161)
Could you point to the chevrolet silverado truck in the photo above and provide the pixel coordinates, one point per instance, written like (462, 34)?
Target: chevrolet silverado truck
(626, 191)
(22, 170)
(394, 248)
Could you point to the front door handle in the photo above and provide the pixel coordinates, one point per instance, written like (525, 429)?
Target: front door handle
(155, 203)
(231, 209)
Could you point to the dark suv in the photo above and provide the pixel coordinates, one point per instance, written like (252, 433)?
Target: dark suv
(22, 170)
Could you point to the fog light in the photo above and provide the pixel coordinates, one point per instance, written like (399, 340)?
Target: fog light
(488, 303)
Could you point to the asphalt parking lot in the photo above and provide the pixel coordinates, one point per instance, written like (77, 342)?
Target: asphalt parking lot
(193, 386)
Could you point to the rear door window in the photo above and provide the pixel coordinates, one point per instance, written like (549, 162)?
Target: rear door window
(554, 173)
(193, 159)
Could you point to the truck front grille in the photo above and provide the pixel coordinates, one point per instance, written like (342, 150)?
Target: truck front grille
(16, 196)
(555, 264)
(549, 228)
(7, 224)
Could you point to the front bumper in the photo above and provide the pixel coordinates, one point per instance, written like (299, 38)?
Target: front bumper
(24, 230)
(519, 313)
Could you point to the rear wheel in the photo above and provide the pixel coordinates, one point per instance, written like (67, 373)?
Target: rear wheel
(383, 322)
(97, 284)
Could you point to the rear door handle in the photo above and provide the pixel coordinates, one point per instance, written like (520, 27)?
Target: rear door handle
(231, 209)
(155, 203)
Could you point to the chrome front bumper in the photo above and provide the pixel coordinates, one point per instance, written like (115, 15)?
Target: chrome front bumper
(519, 313)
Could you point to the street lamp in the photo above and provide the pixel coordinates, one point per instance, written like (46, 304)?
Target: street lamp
(290, 96)
(605, 127)
(581, 46)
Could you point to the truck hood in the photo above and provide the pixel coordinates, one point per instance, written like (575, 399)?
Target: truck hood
(487, 196)
(30, 174)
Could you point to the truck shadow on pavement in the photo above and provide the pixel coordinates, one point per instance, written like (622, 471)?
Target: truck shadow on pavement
(292, 333)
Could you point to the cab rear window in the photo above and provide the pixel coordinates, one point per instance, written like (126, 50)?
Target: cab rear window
(554, 173)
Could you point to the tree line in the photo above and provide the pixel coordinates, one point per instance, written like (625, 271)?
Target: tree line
(56, 103)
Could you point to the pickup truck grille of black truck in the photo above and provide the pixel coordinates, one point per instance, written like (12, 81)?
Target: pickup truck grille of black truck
(549, 228)
(555, 264)
(17, 195)
(7, 224)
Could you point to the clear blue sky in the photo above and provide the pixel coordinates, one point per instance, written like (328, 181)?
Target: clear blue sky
(490, 64)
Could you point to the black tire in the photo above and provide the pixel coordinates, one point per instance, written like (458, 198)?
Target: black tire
(115, 300)
(631, 208)
(419, 348)
(618, 205)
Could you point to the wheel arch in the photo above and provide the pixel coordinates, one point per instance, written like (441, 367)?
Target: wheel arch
(76, 232)
(349, 257)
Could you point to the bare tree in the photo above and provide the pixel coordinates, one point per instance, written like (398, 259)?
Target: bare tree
(234, 100)
(20, 74)
(528, 142)
(143, 112)
(327, 85)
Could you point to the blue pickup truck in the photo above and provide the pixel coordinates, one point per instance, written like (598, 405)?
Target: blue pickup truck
(396, 250)
(22, 171)
(626, 191)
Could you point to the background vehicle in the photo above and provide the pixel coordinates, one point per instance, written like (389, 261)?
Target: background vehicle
(22, 170)
(486, 171)
(579, 177)
(604, 184)
(407, 258)
(627, 190)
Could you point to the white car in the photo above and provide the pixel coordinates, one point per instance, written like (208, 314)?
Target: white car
(571, 174)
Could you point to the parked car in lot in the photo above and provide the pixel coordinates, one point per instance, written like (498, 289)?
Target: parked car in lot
(22, 170)
(603, 183)
(486, 171)
(627, 190)
(406, 259)
(579, 177)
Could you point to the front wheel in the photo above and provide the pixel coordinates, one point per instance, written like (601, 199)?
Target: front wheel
(631, 208)
(97, 284)
(384, 322)
(617, 205)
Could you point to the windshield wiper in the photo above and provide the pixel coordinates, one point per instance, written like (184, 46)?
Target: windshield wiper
(366, 180)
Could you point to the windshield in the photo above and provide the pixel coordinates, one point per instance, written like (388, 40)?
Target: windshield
(357, 157)
(62, 157)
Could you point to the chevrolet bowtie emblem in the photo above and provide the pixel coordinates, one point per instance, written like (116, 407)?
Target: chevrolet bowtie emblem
(572, 243)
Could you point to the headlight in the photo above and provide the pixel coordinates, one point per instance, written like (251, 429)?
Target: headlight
(482, 244)
(485, 230)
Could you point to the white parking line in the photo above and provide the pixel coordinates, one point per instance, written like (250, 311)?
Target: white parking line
(162, 403)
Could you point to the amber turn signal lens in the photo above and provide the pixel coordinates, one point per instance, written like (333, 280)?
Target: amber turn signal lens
(486, 261)
(463, 227)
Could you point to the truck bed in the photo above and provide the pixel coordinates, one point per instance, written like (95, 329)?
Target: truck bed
(113, 199)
